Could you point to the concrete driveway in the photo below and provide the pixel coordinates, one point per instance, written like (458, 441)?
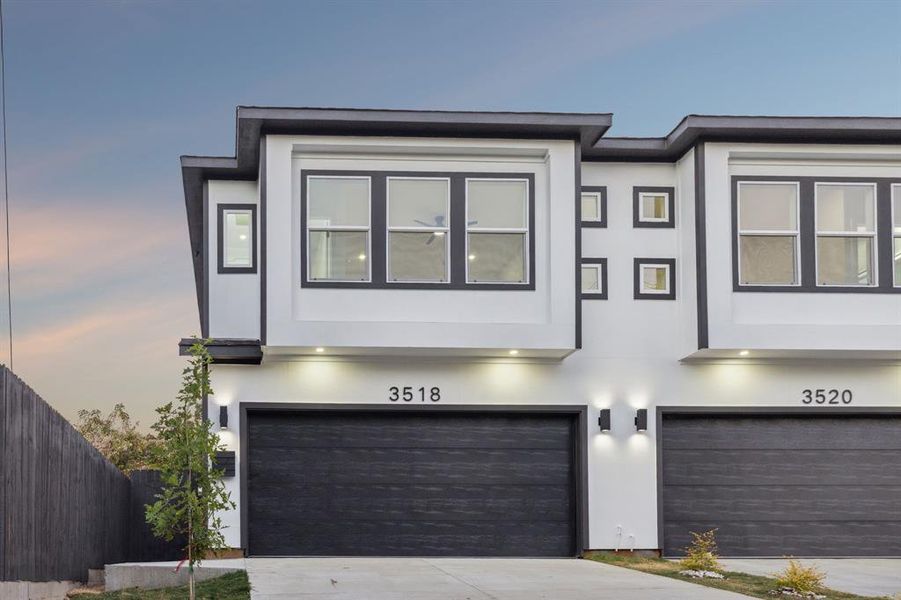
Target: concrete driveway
(863, 576)
(461, 579)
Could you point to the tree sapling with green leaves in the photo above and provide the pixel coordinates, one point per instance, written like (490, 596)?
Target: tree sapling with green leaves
(193, 493)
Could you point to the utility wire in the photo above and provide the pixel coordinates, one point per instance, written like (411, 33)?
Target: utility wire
(9, 291)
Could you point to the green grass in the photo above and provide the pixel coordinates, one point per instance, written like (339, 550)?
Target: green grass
(233, 586)
(755, 586)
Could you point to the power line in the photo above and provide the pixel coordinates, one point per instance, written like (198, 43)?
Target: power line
(9, 291)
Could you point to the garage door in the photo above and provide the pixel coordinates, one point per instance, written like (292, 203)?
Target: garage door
(410, 483)
(783, 485)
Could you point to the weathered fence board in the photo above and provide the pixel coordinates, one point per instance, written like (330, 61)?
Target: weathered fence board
(63, 507)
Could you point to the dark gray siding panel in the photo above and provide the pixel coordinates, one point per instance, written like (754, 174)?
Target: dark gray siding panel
(783, 485)
(409, 483)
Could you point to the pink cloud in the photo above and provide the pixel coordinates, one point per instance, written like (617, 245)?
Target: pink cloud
(54, 249)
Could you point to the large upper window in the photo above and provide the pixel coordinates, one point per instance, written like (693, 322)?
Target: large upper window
(338, 222)
(896, 233)
(846, 234)
(418, 224)
(497, 230)
(768, 233)
(417, 230)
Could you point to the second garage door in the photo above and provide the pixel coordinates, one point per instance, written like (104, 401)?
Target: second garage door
(410, 483)
(802, 485)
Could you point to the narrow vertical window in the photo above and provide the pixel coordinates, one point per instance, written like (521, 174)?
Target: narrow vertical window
(236, 239)
(846, 234)
(418, 231)
(497, 230)
(768, 233)
(896, 233)
(338, 222)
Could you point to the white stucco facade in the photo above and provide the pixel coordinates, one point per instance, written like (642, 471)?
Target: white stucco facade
(620, 353)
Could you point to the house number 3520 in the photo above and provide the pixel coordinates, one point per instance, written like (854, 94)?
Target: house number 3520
(410, 393)
(823, 396)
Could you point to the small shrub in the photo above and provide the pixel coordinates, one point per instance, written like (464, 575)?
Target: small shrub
(800, 578)
(701, 554)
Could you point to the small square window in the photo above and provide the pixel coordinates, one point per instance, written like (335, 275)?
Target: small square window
(653, 207)
(655, 279)
(594, 206)
(594, 278)
(237, 251)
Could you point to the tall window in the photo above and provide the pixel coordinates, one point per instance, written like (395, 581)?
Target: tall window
(846, 234)
(768, 233)
(497, 230)
(237, 248)
(896, 233)
(338, 228)
(418, 219)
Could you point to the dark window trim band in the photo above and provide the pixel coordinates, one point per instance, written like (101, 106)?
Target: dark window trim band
(596, 189)
(602, 295)
(636, 283)
(807, 236)
(670, 222)
(220, 239)
(379, 230)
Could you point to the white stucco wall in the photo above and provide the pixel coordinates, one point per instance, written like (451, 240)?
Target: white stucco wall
(631, 348)
(792, 321)
(621, 463)
(303, 317)
(234, 310)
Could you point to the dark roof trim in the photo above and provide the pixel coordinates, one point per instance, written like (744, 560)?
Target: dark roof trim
(227, 351)
(695, 128)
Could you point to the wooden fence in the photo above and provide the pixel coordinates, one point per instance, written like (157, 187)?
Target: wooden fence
(64, 508)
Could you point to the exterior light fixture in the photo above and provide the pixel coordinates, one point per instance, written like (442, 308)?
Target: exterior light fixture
(604, 420)
(514, 352)
(472, 257)
(641, 419)
(362, 257)
(743, 353)
(320, 350)
(223, 417)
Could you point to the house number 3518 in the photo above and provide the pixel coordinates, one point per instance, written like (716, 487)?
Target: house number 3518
(410, 393)
(824, 396)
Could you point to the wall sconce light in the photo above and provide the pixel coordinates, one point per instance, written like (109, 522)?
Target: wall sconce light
(641, 419)
(223, 417)
(604, 420)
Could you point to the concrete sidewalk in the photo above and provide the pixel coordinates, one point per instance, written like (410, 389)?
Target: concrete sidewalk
(461, 579)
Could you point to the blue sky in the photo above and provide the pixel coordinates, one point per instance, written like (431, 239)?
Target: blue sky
(104, 96)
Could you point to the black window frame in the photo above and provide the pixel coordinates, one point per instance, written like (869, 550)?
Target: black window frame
(638, 263)
(670, 222)
(222, 268)
(379, 231)
(601, 190)
(807, 236)
(602, 295)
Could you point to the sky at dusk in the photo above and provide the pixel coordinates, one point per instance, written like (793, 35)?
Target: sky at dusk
(103, 97)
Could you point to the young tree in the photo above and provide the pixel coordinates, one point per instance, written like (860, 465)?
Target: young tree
(193, 492)
(118, 439)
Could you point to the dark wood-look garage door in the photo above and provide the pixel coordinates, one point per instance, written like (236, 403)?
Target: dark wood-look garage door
(410, 483)
(783, 485)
